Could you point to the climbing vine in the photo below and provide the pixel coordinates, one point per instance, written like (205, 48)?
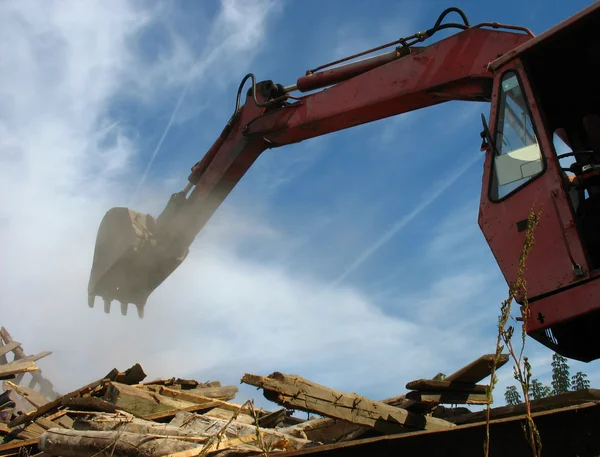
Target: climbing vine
(522, 368)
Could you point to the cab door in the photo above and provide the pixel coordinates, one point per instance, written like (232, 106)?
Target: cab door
(521, 174)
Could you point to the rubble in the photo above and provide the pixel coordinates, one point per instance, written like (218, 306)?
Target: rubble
(124, 415)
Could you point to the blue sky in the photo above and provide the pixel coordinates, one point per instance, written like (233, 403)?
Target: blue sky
(353, 259)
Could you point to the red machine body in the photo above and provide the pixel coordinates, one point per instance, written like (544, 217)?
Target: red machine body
(528, 81)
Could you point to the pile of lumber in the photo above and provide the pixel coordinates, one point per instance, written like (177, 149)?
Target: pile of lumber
(21, 364)
(121, 414)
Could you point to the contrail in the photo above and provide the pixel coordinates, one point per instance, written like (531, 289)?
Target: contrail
(160, 142)
(400, 224)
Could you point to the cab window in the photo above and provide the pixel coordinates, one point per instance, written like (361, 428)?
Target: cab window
(518, 156)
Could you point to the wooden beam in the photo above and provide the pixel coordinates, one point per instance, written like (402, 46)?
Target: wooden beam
(191, 396)
(3, 359)
(140, 402)
(54, 404)
(9, 370)
(133, 375)
(75, 443)
(18, 444)
(449, 398)
(35, 398)
(296, 392)
(477, 370)
(46, 423)
(35, 357)
(429, 385)
(164, 415)
(223, 393)
(89, 404)
(9, 347)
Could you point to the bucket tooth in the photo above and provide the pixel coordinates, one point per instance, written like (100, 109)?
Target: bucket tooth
(91, 300)
(107, 306)
(140, 311)
(124, 308)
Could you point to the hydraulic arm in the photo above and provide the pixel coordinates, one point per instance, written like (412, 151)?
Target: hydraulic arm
(135, 253)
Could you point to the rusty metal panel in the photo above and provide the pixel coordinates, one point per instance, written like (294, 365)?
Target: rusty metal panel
(566, 432)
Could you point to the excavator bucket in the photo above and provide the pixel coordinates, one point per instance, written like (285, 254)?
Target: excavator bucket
(128, 260)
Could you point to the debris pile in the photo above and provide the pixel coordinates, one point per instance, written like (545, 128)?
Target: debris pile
(124, 415)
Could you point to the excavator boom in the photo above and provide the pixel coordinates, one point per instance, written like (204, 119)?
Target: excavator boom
(135, 253)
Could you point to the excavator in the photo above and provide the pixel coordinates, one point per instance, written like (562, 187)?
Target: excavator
(543, 93)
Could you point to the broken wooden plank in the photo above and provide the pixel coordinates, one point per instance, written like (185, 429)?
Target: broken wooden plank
(75, 443)
(170, 414)
(9, 347)
(450, 398)
(477, 370)
(140, 402)
(35, 398)
(470, 375)
(25, 432)
(272, 420)
(189, 396)
(89, 403)
(429, 385)
(35, 357)
(223, 393)
(3, 359)
(298, 393)
(183, 383)
(133, 375)
(54, 404)
(46, 423)
(17, 444)
(11, 369)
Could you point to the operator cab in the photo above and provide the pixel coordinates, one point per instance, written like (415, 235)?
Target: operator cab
(545, 158)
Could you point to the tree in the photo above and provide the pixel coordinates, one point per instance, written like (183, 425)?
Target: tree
(579, 381)
(538, 390)
(561, 379)
(561, 382)
(512, 396)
